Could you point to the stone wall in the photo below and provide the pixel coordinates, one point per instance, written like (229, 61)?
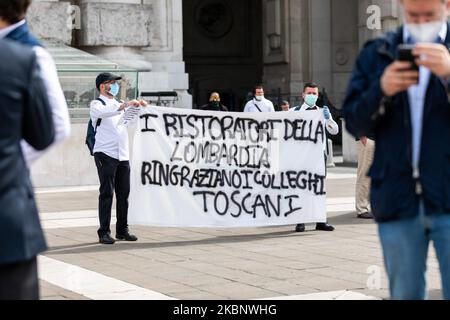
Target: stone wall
(303, 40)
(145, 35)
(49, 20)
(390, 19)
(306, 40)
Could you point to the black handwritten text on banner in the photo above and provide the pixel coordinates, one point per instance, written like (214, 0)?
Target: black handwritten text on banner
(195, 168)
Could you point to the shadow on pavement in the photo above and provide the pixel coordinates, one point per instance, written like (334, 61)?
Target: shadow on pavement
(341, 220)
(349, 219)
(120, 245)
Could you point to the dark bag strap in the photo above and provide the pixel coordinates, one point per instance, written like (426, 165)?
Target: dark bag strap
(257, 107)
(99, 120)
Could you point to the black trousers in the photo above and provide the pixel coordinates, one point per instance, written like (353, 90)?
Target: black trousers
(114, 175)
(19, 281)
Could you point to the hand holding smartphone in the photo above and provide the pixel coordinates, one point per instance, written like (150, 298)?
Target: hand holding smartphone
(404, 53)
(401, 74)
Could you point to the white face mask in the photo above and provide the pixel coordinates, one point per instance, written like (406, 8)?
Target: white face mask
(425, 32)
(259, 98)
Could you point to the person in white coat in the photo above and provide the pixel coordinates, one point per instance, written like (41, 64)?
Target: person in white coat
(259, 103)
(310, 96)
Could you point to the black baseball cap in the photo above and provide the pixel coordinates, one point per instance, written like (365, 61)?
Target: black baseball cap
(105, 77)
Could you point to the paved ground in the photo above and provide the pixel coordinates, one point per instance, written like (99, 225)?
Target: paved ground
(260, 263)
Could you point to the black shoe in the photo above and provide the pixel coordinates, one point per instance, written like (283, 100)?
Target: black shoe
(324, 227)
(365, 215)
(300, 227)
(106, 239)
(126, 236)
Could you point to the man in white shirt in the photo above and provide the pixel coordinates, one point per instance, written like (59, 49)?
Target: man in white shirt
(259, 103)
(13, 26)
(310, 96)
(111, 155)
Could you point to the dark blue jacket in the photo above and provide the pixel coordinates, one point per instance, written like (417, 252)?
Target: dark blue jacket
(24, 114)
(395, 193)
(22, 34)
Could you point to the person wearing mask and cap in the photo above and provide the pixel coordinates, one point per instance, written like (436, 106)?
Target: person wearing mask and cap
(111, 155)
(407, 110)
(310, 96)
(214, 104)
(259, 103)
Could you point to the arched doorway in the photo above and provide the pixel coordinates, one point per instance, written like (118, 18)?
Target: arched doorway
(222, 49)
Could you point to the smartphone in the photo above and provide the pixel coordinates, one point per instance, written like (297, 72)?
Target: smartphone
(404, 53)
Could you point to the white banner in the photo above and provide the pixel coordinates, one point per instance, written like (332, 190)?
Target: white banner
(194, 168)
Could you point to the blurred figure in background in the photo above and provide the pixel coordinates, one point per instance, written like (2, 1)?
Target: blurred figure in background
(324, 101)
(285, 106)
(259, 103)
(13, 26)
(366, 148)
(407, 109)
(25, 114)
(214, 104)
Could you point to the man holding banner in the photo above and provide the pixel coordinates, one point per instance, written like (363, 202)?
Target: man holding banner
(310, 96)
(227, 170)
(111, 157)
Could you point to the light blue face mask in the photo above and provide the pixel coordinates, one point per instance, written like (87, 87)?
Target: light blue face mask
(311, 99)
(114, 89)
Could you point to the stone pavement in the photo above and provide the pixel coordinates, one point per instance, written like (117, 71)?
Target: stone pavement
(198, 264)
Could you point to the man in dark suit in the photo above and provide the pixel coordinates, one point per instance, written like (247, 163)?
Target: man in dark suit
(25, 114)
(407, 109)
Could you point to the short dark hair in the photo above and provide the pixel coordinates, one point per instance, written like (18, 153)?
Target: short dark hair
(310, 85)
(12, 11)
(284, 103)
(257, 87)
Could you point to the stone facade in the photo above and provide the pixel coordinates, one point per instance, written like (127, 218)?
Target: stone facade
(302, 40)
(145, 35)
(48, 20)
(318, 41)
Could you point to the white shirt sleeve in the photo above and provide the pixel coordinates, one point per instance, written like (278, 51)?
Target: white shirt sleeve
(98, 110)
(332, 126)
(57, 101)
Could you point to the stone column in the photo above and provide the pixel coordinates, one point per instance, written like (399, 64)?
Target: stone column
(390, 18)
(321, 43)
(286, 41)
(165, 51)
(276, 45)
(345, 50)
